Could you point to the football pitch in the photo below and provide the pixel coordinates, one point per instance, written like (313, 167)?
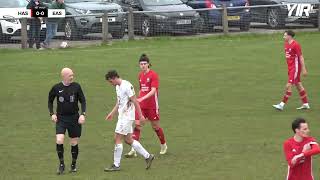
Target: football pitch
(215, 106)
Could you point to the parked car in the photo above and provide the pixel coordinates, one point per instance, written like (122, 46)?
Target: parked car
(277, 17)
(236, 17)
(76, 27)
(9, 26)
(147, 24)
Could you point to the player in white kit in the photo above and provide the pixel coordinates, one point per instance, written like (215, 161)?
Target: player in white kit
(126, 106)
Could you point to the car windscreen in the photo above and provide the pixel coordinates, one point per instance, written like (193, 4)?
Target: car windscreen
(79, 1)
(161, 2)
(13, 3)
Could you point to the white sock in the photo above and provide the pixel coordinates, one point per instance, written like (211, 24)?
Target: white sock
(138, 147)
(282, 104)
(118, 148)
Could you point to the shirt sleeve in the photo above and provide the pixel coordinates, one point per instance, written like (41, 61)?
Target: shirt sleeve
(315, 149)
(130, 90)
(288, 152)
(51, 97)
(155, 81)
(82, 100)
(298, 50)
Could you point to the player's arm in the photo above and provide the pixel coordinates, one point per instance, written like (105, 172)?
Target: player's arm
(314, 149)
(133, 99)
(304, 69)
(299, 54)
(82, 100)
(51, 97)
(113, 112)
(290, 157)
(150, 94)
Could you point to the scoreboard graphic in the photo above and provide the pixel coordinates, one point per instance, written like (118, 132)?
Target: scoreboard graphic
(28, 13)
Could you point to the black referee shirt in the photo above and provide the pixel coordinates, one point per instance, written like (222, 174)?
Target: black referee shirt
(67, 99)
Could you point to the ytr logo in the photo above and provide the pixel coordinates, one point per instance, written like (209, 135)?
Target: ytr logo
(302, 10)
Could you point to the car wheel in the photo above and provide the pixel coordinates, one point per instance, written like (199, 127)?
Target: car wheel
(70, 31)
(275, 19)
(146, 28)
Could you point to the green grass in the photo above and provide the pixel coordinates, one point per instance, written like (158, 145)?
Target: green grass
(215, 97)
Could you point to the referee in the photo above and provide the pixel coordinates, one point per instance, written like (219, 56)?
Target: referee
(68, 94)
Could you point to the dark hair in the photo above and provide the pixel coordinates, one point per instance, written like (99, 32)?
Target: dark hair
(112, 74)
(296, 124)
(290, 33)
(145, 58)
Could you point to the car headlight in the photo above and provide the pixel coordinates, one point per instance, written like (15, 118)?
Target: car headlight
(120, 9)
(11, 19)
(197, 15)
(82, 11)
(160, 16)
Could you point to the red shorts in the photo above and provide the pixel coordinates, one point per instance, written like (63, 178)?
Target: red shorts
(294, 76)
(150, 114)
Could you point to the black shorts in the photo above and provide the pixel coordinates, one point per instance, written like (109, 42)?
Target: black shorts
(69, 123)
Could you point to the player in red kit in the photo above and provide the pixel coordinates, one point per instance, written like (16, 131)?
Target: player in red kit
(298, 151)
(148, 100)
(296, 65)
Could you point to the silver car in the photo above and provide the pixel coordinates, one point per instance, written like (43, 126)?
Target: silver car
(84, 23)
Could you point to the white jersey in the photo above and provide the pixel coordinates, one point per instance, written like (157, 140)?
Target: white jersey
(126, 108)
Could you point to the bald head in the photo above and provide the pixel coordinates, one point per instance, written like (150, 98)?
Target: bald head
(67, 75)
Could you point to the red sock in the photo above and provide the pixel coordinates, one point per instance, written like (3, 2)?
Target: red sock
(136, 134)
(303, 96)
(286, 96)
(160, 135)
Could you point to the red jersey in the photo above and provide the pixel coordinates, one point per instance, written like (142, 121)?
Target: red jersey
(293, 53)
(302, 170)
(146, 82)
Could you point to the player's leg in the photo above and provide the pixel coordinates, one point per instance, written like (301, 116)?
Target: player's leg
(154, 117)
(303, 96)
(120, 131)
(74, 132)
(60, 131)
(287, 94)
(118, 148)
(159, 131)
(138, 125)
(140, 149)
(136, 133)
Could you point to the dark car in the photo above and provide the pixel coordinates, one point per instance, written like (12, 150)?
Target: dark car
(84, 23)
(277, 17)
(236, 17)
(150, 23)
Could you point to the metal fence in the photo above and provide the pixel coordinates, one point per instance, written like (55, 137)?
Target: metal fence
(104, 27)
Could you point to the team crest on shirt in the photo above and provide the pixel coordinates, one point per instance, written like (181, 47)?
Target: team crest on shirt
(148, 79)
(294, 150)
(61, 99)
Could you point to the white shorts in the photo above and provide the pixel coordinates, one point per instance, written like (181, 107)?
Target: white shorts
(124, 127)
